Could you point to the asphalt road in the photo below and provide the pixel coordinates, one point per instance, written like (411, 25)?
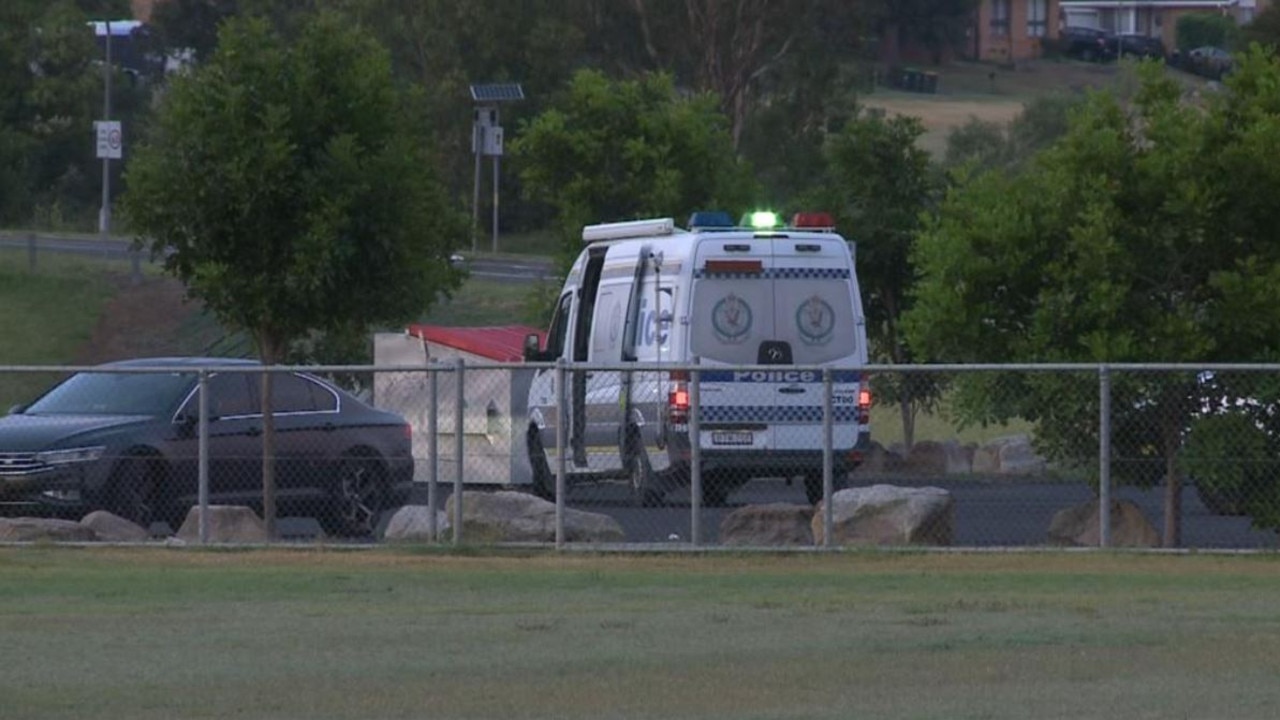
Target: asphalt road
(503, 268)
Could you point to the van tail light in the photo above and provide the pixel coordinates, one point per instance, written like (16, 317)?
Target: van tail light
(678, 398)
(864, 405)
(407, 430)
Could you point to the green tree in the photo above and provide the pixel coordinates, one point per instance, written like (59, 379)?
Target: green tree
(1145, 234)
(52, 80)
(938, 25)
(881, 184)
(284, 191)
(627, 149)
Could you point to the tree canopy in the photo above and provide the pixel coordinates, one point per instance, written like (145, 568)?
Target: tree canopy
(282, 187)
(1144, 234)
(614, 150)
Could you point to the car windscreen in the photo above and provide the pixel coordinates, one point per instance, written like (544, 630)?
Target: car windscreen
(97, 393)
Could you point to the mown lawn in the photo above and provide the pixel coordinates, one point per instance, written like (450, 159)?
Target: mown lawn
(387, 633)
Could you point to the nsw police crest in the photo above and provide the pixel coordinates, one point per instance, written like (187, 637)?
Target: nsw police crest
(731, 319)
(816, 321)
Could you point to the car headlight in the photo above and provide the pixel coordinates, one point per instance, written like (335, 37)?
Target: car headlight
(71, 455)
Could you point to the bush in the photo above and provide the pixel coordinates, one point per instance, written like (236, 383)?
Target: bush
(1233, 461)
(1207, 28)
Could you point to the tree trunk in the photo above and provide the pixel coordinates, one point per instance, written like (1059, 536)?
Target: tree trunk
(1172, 489)
(271, 354)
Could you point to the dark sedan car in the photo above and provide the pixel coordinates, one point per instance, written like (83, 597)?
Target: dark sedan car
(1086, 43)
(126, 439)
(1136, 45)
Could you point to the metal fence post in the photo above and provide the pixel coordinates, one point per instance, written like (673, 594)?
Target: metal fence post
(460, 416)
(561, 441)
(695, 454)
(433, 451)
(202, 459)
(1104, 459)
(828, 458)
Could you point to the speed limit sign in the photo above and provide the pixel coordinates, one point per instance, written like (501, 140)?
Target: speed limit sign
(110, 141)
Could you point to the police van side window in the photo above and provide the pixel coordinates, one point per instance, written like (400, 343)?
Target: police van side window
(559, 325)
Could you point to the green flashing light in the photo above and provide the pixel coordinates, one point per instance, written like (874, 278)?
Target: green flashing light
(763, 219)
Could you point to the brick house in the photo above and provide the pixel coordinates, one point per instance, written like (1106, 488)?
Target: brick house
(1007, 31)
(1155, 18)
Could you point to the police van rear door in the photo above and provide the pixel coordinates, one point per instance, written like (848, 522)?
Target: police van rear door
(815, 323)
(732, 324)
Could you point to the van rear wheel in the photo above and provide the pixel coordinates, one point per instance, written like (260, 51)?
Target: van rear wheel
(813, 486)
(640, 476)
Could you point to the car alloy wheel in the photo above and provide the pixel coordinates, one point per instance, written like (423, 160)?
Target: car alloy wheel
(361, 498)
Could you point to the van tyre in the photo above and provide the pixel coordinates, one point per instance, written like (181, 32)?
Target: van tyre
(544, 482)
(640, 477)
(813, 486)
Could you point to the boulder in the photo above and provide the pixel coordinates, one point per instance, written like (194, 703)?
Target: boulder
(411, 524)
(878, 461)
(510, 516)
(1010, 455)
(931, 457)
(226, 524)
(768, 525)
(888, 515)
(113, 528)
(1079, 526)
(30, 529)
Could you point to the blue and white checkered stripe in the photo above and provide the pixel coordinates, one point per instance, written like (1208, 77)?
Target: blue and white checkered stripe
(781, 273)
(772, 414)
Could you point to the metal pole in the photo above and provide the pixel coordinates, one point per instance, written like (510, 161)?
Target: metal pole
(1104, 459)
(104, 216)
(202, 458)
(495, 203)
(828, 458)
(433, 451)
(695, 455)
(561, 441)
(477, 134)
(460, 417)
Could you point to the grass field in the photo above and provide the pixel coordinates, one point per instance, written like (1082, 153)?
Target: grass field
(153, 633)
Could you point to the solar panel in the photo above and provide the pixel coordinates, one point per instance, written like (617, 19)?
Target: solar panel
(497, 92)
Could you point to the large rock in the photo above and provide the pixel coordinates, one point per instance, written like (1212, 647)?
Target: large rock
(113, 528)
(888, 515)
(768, 525)
(226, 524)
(1080, 526)
(1010, 455)
(878, 461)
(509, 516)
(411, 523)
(29, 529)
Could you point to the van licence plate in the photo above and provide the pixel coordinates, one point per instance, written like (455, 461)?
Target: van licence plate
(732, 437)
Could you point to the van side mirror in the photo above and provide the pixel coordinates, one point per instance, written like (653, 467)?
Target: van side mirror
(15, 409)
(532, 350)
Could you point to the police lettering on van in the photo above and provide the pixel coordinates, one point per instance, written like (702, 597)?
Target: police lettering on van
(733, 297)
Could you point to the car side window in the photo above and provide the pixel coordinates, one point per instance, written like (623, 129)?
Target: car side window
(233, 394)
(291, 393)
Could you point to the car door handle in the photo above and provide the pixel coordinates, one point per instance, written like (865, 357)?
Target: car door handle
(253, 431)
(791, 390)
(328, 427)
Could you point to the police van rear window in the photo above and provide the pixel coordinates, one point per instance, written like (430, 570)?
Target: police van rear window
(731, 317)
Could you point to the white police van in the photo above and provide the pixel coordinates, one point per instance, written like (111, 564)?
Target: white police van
(724, 295)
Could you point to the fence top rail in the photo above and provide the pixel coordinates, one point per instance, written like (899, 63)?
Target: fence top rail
(452, 364)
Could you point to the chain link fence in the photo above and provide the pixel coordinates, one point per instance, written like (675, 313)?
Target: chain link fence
(644, 456)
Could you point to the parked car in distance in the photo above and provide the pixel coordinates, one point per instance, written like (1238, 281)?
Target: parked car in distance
(1209, 61)
(125, 438)
(1137, 45)
(1086, 43)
